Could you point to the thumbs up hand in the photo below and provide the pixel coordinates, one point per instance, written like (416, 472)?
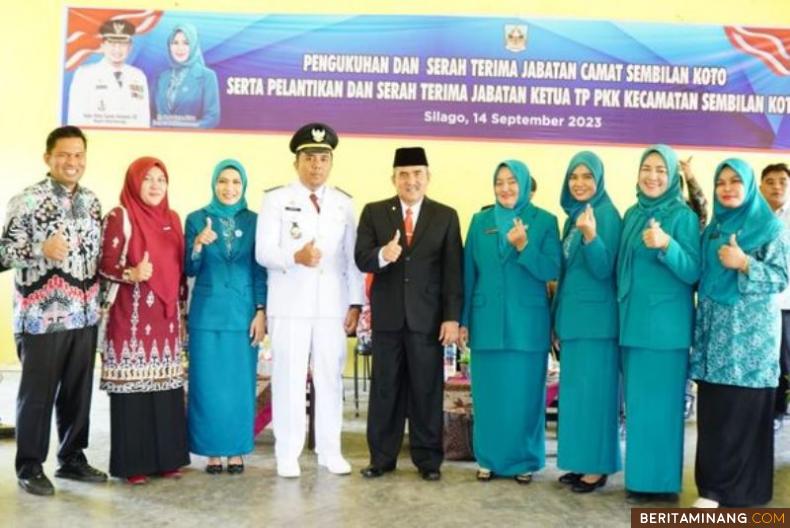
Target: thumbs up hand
(732, 256)
(391, 252)
(56, 247)
(206, 236)
(654, 237)
(309, 255)
(143, 271)
(517, 235)
(585, 222)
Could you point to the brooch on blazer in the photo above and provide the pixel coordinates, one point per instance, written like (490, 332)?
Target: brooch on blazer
(296, 231)
(238, 233)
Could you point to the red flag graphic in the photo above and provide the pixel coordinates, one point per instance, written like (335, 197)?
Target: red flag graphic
(83, 29)
(770, 45)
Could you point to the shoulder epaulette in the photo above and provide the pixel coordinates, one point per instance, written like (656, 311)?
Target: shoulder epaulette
(489, 206)
(344, 192)
(270, 189)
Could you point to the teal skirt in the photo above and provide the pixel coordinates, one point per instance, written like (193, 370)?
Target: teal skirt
(508, 396)
(221, 404)
(588, 440)
(654, 383)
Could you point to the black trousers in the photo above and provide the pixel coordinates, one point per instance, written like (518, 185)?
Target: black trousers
(780, 408)
(57, 369)
(407, 381)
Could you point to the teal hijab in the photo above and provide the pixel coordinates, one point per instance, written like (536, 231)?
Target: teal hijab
(504, 216)
(218, 208)
(753, 223)
(659, 208)
(573, 207)
(195, 54)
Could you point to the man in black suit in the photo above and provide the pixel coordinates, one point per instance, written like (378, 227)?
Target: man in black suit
(412, 245)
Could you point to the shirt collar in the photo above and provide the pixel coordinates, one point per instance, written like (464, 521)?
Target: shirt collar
(60, 190)
(415, 209)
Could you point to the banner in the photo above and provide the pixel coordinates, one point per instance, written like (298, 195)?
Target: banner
(481, 78)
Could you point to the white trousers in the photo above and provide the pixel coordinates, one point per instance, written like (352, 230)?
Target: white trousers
(295, 341)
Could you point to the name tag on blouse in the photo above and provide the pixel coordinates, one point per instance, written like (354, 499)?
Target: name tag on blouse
(492, 231)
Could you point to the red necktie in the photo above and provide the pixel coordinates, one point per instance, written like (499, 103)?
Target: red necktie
(314, 199)
(408, 223)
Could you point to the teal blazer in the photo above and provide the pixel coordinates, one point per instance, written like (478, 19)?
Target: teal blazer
(586, 301)
(505, 301)
(227, 288)
(658, 312)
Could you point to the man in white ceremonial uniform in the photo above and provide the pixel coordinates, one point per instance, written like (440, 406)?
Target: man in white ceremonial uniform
(110, 92)
(305, 238)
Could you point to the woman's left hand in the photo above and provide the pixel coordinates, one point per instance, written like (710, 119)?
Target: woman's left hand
(732, 256)
(258, 327)
(517, 236)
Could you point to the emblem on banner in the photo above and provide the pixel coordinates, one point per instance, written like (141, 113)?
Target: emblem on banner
(515, 37)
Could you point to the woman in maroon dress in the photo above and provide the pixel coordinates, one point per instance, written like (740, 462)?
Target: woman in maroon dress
(142, 253)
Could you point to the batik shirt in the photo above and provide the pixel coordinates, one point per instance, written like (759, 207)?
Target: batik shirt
(51, 296)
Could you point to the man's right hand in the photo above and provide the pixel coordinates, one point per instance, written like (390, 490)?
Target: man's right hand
(309, 255)
(56, 247)
(391, 252)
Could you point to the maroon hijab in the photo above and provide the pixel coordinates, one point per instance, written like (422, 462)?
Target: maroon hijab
(157, 230)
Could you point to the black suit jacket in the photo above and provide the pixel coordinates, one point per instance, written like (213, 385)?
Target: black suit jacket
(425, 285)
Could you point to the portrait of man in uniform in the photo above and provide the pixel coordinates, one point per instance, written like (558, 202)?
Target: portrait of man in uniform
(110, 92)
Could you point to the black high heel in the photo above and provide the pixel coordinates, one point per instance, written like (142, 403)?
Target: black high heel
(214, 469)
(570, 478)
(586, 487)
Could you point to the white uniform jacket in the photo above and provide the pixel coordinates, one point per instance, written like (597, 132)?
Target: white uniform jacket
(288, 220)
(97, 99)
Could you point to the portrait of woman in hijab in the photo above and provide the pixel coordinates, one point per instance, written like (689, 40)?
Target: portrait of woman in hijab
(658, 265)
(735, 359)
(512, 250)
(143, 254)
(224, 336)
(187, 94)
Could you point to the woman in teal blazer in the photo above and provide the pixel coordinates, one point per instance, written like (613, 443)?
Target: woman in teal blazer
(586, 325)
(735, 360)
(658, 266)
(187, 94)
(512, 250)
(226, 321)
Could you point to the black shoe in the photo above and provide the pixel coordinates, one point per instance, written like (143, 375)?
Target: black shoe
(236, 469)
(81, 471)
(375, 471)
(640, 497)
(38, 484)
(586, 487)
(215, 469)
(430, 474)
(570, 478)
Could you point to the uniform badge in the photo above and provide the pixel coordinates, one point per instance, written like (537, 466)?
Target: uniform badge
(318, 135)
(296, 231)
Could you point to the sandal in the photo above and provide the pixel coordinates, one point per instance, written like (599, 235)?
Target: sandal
(137, 480)
(524, 478)
(484, 475)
